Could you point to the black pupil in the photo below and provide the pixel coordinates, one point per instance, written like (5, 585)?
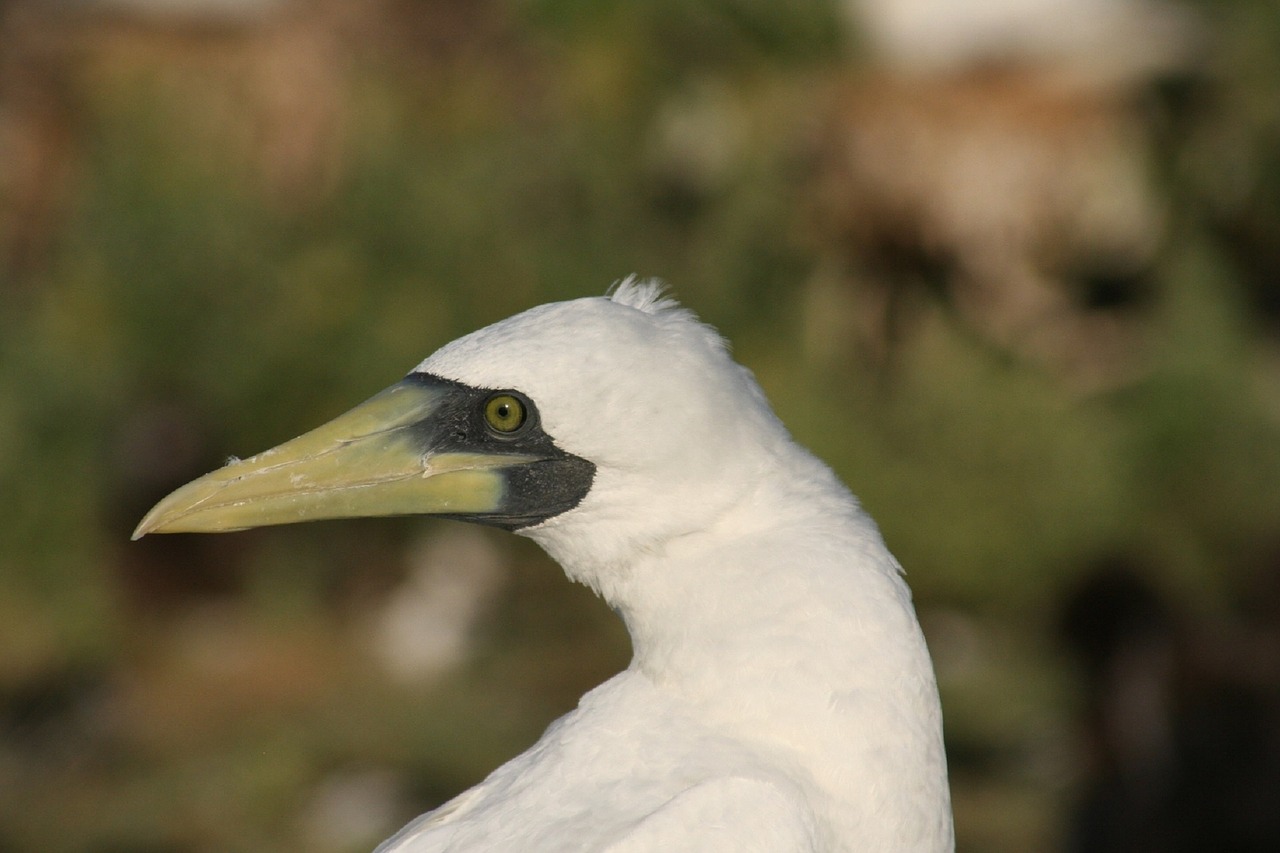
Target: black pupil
(504, 411)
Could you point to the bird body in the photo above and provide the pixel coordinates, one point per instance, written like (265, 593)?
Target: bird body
(780, 695)
(813, 686)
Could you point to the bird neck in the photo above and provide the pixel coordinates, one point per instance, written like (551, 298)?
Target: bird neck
(800, 639)
(784, 622)
(794, 555)
(770, 582)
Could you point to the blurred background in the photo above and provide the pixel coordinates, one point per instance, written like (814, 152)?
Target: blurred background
(1011, 266)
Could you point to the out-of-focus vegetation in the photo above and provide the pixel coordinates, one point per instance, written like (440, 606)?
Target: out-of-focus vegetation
(221, 229)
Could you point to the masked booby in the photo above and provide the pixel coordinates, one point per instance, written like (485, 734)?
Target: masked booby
(780, 696)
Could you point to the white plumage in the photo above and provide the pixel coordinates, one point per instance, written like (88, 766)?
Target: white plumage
(780, 697)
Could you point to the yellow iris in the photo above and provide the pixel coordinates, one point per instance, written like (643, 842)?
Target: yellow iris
(504, 413)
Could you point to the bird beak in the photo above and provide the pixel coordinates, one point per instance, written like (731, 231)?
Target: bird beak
(395, 454)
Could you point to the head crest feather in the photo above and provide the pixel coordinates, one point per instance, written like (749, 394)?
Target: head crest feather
(644, 294)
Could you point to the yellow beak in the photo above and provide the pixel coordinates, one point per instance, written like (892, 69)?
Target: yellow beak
(396, 454)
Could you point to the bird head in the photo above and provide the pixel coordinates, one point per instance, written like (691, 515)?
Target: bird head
(603, 425)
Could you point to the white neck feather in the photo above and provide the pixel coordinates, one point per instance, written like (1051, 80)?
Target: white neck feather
(799, 638)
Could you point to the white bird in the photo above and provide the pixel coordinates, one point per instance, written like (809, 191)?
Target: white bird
(780, 696)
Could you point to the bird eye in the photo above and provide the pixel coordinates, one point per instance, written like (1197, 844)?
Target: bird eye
(505, 413)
